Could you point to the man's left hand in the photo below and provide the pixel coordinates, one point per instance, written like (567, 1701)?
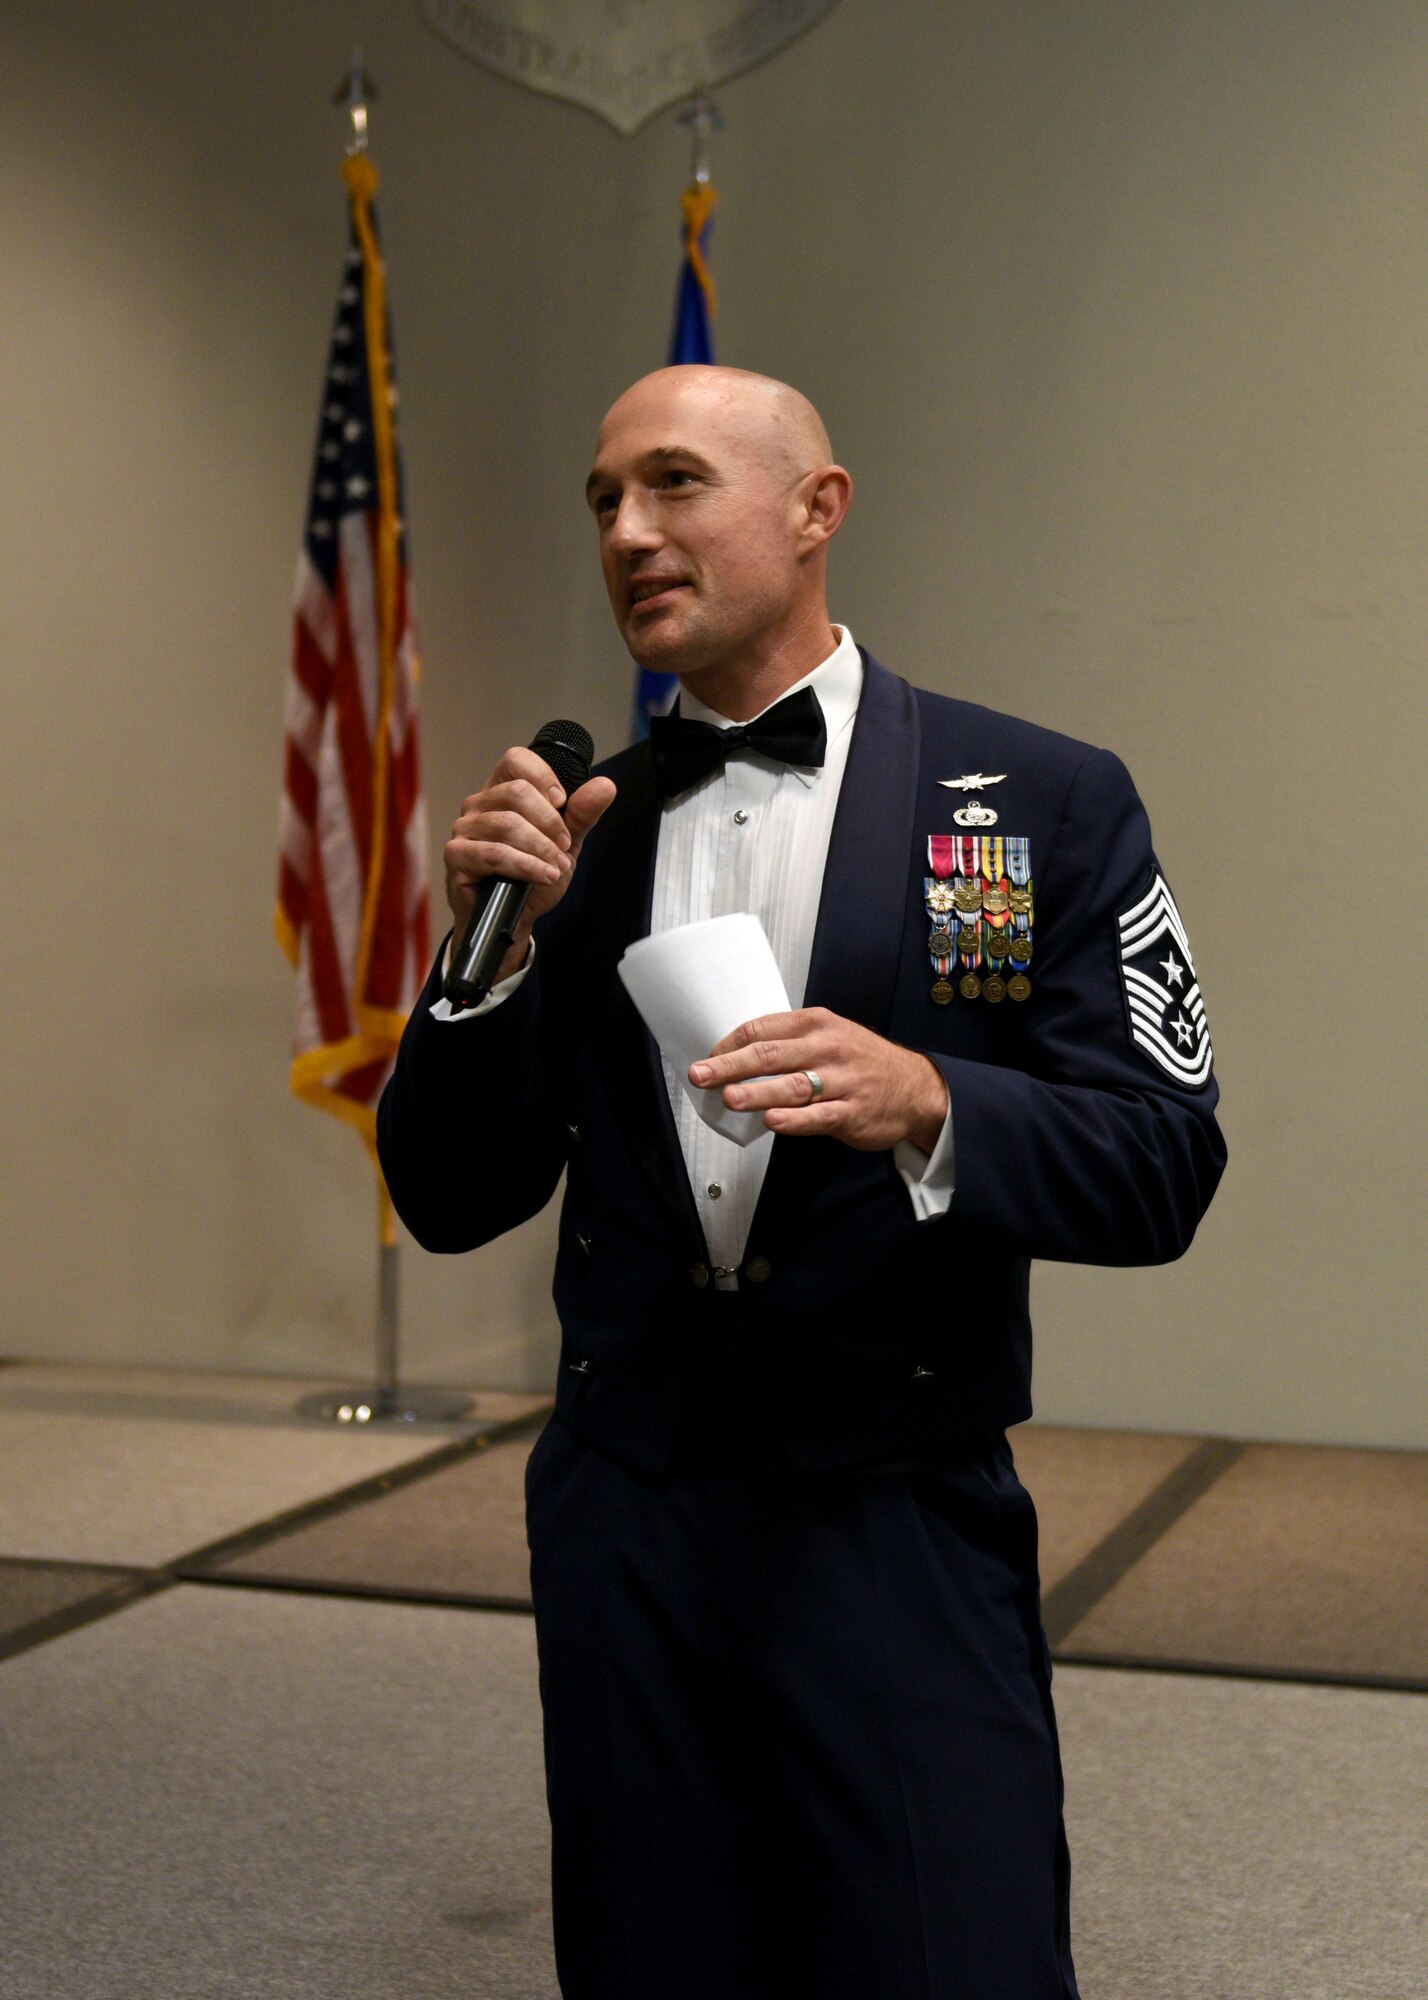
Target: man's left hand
(875, 1093)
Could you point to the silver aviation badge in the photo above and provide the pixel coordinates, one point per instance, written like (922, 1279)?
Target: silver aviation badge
(1166, 1012)
(976, 814)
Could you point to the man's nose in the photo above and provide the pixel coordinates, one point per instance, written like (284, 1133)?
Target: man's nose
(634, 527)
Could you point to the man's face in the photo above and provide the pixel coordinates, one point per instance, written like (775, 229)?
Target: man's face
(696, 503)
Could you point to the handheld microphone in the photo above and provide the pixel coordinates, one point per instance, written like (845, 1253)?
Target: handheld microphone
(491, 927)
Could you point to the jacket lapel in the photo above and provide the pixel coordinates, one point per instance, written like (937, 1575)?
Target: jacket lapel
(860, 929)
(859, 932)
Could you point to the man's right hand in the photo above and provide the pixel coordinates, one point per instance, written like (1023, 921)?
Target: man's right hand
(514, 829)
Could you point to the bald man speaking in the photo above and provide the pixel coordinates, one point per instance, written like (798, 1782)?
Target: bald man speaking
(798, 1723)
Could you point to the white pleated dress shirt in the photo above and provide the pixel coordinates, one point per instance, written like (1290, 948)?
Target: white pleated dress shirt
(754, 837)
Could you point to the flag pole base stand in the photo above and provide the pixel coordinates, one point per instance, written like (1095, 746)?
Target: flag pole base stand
(359, 1409)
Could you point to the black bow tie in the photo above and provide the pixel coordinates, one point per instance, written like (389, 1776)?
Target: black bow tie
(791, 732)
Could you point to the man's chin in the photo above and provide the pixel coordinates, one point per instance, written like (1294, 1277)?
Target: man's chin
(660, 652)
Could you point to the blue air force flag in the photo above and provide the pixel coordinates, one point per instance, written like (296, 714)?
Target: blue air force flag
(1166, 1012)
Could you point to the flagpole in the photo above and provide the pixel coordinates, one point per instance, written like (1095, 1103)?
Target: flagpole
(386, 1401)
(701, 118)
(388, 1395)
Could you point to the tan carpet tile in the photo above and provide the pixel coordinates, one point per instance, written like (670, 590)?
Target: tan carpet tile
(76, 1487)
(1244, 1840)
(459, 1533)
(1300, 1559)
(1085, 1482)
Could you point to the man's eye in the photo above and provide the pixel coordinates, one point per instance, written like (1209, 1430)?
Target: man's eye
(673, 478)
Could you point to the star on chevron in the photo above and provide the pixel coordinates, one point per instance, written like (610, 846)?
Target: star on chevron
(1173, 969)
(1184, 1033)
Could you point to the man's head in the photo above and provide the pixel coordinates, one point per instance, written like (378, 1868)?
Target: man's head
(716, 498)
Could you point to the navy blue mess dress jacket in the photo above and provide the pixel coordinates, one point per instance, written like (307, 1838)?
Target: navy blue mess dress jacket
(1084, 1115)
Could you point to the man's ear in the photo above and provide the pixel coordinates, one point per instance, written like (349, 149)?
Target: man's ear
(828, 495)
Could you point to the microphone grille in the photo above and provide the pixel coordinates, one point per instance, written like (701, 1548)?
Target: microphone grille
(568, 749)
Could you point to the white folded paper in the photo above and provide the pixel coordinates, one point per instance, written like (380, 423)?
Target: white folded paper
(694, 985)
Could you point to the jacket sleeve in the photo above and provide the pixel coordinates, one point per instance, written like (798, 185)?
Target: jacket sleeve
(1090, 1152)
(466, 1132)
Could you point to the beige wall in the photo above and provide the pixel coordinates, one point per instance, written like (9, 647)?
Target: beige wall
(1118, 313)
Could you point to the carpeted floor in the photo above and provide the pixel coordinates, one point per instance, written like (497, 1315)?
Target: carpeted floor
(1282, 1560)
(269, 1792)
(1085, 1482)
(260, 1795)
(1297, 1559)
(32, 1593)
(459, 1534)
(243, 1795)
(129, 1474)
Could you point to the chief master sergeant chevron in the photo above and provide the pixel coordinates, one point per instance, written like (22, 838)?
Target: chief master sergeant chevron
(798, 1723)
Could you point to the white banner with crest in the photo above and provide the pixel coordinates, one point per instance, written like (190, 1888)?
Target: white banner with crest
(624, 59)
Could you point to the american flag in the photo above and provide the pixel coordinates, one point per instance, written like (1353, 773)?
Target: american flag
(352, 878)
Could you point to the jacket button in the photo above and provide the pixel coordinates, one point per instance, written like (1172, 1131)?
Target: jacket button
(700, 1276)
(574, 1131)
(920, 1374)
(757, 1269)
(579, 1367)
(584, 1242)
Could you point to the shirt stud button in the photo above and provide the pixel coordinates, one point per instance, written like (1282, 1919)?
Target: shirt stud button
(713, 1190)
(741, 818)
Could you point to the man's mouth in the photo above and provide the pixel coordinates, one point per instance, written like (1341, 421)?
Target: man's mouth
(647, 591)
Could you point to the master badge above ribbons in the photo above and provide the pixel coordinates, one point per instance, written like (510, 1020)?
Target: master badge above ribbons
(1164, 1007)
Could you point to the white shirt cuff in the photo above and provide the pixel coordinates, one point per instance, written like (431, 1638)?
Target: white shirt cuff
(442, 1010)
(929, 1178)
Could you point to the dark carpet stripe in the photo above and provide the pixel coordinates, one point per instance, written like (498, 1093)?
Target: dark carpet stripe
(199, 1562)
(1064, 1606)
(43, 1600)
